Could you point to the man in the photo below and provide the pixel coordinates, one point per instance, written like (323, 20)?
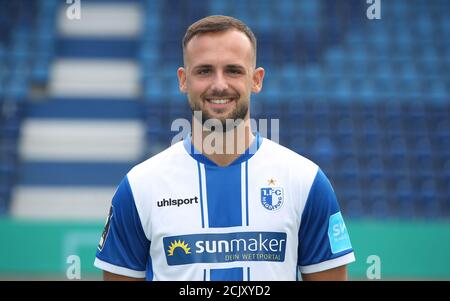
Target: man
(241, 208)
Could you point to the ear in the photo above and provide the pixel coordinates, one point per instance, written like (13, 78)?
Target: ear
(258, 77)
(182, 79)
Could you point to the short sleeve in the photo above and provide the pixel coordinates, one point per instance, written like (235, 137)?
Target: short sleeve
(324, 242)
(123, 248)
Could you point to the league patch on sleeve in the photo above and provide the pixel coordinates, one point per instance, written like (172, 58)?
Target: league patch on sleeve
(105, 230)
(337, 234)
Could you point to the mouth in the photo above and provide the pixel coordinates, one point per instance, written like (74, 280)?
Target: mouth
(219, 103)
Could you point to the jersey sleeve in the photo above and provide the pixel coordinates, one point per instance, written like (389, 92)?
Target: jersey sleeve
(123, 248)
(324, 242)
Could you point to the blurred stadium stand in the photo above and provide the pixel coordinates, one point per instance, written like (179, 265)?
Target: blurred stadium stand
(71, 120)
(81, 102)
(367, 100)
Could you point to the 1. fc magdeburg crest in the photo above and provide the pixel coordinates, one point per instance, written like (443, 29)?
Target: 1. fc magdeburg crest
(272, 198)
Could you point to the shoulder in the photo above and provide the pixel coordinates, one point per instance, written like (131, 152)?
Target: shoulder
(159, 162)
(286, 157)
(150, 177)
(299, 172)
(169, 153)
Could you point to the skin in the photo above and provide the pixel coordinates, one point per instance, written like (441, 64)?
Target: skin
(107, 276)
(222, 65)
(336, 274)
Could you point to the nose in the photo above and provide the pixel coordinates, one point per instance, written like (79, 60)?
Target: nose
(219, 83)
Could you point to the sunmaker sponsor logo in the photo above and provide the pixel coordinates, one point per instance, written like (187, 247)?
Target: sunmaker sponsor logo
(225, 247)
(177, 202)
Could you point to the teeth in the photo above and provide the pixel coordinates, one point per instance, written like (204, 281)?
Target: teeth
(219, 101)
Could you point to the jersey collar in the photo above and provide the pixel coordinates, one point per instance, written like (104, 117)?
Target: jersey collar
(198, 156)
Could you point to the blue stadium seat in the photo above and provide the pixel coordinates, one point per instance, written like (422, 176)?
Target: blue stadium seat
(154, 89)
(40, 71)
(353, 206)
(334, 60)
(324, 149)
(405, 199)
(17, 90)
(439, 92)
(343, 92)
(429, 200)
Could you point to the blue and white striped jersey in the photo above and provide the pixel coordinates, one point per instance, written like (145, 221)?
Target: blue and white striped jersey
(268, 215)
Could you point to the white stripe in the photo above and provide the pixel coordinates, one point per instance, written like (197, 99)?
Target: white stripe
(117, 269)
(243, 200)
(208, 275)
(204, 195)
(81, 140)
(61, 203)
(94, 78)
(102, 20)
(329, 264)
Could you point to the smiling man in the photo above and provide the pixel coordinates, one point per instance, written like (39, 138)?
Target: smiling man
(218, 77)
(263, 211)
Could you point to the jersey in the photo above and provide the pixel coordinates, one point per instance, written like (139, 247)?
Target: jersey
(267, 216)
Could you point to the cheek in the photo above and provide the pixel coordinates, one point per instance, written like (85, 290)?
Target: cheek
(243, 86)
(247, 88)
(248, 85)
(197, 87)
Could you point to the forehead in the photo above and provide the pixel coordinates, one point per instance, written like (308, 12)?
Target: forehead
(231, 46)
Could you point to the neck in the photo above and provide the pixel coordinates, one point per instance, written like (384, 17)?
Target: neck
(222, 147)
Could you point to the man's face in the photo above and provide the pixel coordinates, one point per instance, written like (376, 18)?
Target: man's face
(220, 75)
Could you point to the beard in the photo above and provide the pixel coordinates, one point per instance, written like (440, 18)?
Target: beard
(212, 123)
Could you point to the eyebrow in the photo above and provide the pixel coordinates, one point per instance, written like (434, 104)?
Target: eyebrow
(204, 66)
(207, 66)
(234, 66)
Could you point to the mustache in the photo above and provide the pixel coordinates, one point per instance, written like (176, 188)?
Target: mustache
(224, 94)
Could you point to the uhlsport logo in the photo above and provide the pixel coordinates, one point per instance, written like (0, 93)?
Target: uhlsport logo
(225, 247)
(177, 202)
(272, 198)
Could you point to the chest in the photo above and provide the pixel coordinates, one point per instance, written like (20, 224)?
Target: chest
(223, 216)
(210, 200)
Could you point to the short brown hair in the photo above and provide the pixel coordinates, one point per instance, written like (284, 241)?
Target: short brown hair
(218, 23)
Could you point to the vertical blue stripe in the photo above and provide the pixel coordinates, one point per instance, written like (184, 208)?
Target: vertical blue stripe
(204, 275)
(231, 274)
(201, 194)
(246, 191)
(224, 196)
(248, 274)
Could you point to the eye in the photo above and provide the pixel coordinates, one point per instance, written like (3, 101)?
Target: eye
(235, 71)
(203, 71)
